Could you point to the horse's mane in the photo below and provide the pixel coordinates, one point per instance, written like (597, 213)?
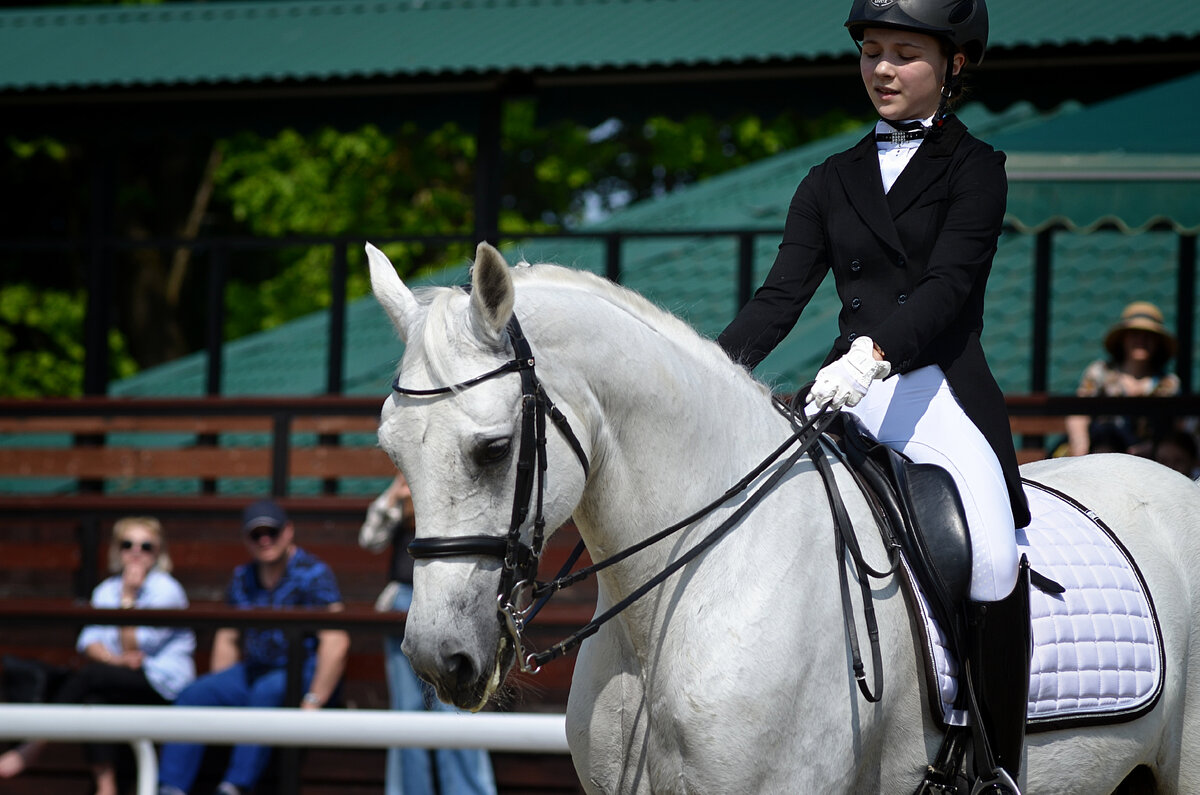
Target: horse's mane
(442, 323)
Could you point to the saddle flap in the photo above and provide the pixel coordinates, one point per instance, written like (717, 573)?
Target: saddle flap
(937, 515)
(922, 503)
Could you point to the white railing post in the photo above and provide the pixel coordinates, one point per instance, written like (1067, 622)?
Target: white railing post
(147, 766)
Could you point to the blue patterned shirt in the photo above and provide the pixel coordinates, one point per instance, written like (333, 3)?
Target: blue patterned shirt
(307, 582)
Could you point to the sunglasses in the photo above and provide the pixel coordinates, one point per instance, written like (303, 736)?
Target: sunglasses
(259, 533)
(145, 546)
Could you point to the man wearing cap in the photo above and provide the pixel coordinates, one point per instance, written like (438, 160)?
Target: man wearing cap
(250, 669)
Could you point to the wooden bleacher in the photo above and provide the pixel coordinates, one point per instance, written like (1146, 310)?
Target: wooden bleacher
(101, 453)
(318, 457)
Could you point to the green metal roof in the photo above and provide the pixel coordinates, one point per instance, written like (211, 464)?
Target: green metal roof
(212, 43)
(1132, 161)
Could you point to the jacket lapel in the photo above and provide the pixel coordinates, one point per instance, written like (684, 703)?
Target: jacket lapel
(927, 166)
(859, 174)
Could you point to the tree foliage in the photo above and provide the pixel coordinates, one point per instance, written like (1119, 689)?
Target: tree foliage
(41, 343)
(370, 183)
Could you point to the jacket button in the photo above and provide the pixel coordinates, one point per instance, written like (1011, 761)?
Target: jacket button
(855, 302)
(901, 298)
(851, 337)
(901, 262)
(855, 265)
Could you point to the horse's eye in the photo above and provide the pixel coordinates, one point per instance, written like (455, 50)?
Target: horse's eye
(492, 451)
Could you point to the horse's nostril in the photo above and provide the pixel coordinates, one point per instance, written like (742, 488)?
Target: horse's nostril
(460, 668)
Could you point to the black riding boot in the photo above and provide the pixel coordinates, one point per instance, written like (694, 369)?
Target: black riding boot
(999, 646)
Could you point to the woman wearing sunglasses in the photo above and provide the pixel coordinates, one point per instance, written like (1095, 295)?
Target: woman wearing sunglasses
(125, 665)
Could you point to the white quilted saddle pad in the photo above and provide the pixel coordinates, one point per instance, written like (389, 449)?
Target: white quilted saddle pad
(1097, 651)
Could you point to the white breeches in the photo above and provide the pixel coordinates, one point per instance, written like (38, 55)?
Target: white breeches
(917, 414)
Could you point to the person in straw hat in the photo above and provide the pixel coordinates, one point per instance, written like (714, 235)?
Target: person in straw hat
(1139, 347)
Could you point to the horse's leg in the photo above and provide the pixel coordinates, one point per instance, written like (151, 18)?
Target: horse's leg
(1176, 537)
(1178, 766)
(607, 719)
(1189, 760)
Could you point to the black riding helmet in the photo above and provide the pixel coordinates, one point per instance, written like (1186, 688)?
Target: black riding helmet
(964, 23)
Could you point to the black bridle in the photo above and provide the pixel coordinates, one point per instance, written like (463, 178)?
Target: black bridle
(519, 561)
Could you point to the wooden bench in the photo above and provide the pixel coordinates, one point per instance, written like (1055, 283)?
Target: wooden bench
(1039, 420)
(1035, 435)
(203, 439)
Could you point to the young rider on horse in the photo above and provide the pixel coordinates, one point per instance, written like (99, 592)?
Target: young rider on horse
(908, 221)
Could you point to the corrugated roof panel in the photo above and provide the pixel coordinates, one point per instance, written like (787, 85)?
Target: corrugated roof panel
(198, 43)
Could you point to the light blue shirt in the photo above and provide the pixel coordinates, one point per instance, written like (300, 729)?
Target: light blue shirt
(168, 662)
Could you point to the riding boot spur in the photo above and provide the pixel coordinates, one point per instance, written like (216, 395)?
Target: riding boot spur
(999, 647)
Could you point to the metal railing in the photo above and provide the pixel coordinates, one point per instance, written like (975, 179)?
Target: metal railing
(99, 255)
(341, 728)
(142, 726)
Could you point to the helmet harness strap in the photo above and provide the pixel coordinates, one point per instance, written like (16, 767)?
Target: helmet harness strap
(950, 86)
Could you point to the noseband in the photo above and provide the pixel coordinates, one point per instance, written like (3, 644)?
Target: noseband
(519, 561)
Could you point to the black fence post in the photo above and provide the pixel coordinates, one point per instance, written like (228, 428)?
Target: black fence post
(289, 755)
(99, 274)
(88, 536)
(1039, 356)
(215, 328)
(281, 445)
(1185, 314)
(337, 319)
(612, 257)
(745, 277)
(487, 170)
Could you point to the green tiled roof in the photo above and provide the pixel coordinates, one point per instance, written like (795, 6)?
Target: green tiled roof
(205, 43)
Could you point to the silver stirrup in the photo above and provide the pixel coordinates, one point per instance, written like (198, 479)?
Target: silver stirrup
(998, 782)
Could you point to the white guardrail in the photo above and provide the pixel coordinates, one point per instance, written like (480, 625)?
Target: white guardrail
(336, 728)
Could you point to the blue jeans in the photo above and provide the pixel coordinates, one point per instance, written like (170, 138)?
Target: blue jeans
(410, 771)
(233, 687)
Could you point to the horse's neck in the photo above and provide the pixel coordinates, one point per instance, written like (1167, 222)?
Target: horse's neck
(672, 433)
(672, 425)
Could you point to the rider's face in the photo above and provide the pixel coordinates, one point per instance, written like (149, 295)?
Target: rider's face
(903, 72)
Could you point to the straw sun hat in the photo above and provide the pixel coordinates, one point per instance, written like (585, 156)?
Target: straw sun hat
(1144, 316)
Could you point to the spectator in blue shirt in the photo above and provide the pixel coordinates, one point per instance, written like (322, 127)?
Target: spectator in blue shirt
(251, 671)
(125, 665)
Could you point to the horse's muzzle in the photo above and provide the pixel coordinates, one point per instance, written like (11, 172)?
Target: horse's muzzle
(457, 676)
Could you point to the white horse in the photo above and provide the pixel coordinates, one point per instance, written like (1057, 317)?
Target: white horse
(734, 675)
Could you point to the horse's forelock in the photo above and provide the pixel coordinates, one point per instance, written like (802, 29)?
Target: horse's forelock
(441, 329)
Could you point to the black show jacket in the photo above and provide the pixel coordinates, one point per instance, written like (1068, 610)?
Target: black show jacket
(910, 267)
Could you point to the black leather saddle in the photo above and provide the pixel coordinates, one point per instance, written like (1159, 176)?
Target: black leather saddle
(922, 505)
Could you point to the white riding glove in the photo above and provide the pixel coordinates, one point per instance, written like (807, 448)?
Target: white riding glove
(845, 381)
(380, 524)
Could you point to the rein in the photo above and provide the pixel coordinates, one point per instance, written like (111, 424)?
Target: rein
(519, 561)
(847, 540)
(816, 426)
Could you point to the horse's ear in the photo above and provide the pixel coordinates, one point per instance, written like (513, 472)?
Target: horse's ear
(491, 291)
(396, 299)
